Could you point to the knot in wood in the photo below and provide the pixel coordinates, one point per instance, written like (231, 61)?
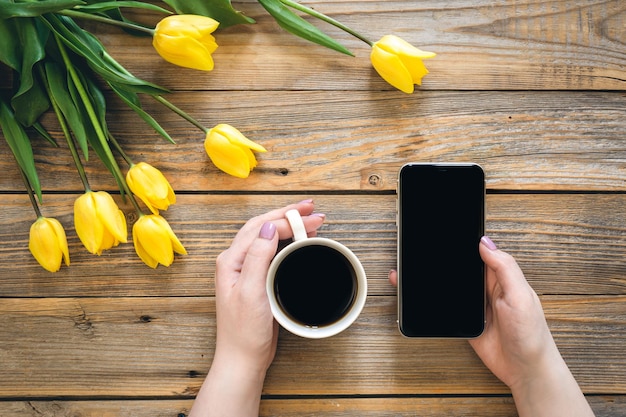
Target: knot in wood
(131, 217)
(145, 319)
(375, 180)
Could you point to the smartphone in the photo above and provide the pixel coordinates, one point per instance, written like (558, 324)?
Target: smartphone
(441, 277)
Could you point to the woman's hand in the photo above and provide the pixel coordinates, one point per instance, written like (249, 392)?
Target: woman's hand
(516, 338)
(246, 331)
(517, 345)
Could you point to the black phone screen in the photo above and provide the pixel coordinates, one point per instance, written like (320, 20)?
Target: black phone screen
(441, 278)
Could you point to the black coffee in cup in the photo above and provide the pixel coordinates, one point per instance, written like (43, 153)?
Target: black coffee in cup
(315, 285)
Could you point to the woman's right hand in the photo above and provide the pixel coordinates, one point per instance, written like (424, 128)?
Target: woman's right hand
(516, 339)
(517, 345)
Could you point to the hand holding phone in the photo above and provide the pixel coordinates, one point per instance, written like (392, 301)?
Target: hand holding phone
(441, 277)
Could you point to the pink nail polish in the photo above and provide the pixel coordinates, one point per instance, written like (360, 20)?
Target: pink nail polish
(268, 230)
(307, 201)
(488, 242)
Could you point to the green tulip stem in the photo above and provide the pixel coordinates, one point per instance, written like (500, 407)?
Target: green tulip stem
(66, 132)
(98, 128)
(133, 200)
(29, 190)
(93, 118)
(31, 194)
(119, 149)
(70, 143)
(98, 18)
(180, 112)
(326, 19)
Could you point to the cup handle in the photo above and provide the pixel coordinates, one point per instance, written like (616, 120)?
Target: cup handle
(297, 226)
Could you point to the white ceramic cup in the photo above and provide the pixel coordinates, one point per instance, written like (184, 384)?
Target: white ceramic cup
(298, 301)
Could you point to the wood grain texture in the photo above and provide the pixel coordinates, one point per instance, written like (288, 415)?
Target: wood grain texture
(566, 244)
(534, 91)
(605, 406)
(481, 45)
(158, 347)
(358, 141)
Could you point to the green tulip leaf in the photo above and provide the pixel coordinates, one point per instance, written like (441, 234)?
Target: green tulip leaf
(220, 10)
(89, 47)
(63, 97)
(132, 100)
(10, 9)
(9, 49)
(296, 25)
(20, 145)
(30, 100)
(111, 5)
(44, 134)
(98, 102)
(30, 104)
(82, 113)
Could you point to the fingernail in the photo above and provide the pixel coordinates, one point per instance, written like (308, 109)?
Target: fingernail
(322, 215)
(308, 200)
(268, 230)
(488, 242)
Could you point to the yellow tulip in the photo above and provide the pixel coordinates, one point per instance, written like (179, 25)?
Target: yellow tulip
(151, 186)
(48, 243)
(99, 222)
(155, 242)
(399, 62)
(186, 40)
(231, 151)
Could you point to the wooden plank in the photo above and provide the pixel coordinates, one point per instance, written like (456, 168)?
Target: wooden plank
(410, 407)
(336, 141)
(109, 336)
(606, 406)
(566, 244)
(142, 346)
(481, 45)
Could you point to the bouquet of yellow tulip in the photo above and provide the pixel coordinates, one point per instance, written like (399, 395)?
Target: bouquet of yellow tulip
(55, 63)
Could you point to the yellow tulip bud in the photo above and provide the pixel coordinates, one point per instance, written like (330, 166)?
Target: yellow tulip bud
(151, 186)
(48, 243)
(155, 241)
(231, 151)
(186, 40)
(399, 63)
(99, 222)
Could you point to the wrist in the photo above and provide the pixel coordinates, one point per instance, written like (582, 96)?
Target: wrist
(239, 366)
(549, 390)
(541, 370)
(233, 387)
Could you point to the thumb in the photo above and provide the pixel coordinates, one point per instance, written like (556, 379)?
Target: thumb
(259, 256)
(506, 270)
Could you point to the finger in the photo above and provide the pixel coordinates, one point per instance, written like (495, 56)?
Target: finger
(250, 230)
(506, 271)
(393, 277)
(258, 258)
(233, 257)
(311, 224)
(304, 207)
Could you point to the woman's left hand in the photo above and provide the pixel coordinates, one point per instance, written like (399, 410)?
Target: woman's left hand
(246, 331)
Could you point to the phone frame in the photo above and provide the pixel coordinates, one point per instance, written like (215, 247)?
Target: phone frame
(400, 297)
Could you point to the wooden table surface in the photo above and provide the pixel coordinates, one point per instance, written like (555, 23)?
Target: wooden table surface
(534, 91)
